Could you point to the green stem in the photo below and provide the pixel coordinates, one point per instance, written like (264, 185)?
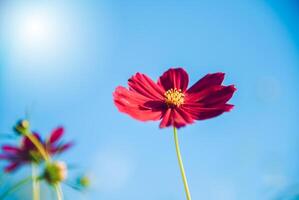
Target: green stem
(15, 188)
(178, 152)
(38, 145)
(58, 191)
(35, 183)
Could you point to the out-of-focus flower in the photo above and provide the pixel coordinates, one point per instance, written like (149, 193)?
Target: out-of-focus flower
(53, 144)
(170, 101)
(27, 152)
(83, 182)
(22, 127)
(55, 172)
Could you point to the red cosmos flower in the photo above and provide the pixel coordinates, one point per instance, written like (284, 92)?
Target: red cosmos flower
(170, 101)
(28, 153)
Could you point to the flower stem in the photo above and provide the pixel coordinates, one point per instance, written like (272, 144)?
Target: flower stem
(35, 183)
(15, 187)
(58, 191)
(38, 145)
(178, 152)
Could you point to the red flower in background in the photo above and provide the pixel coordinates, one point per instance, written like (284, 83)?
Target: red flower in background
(170, 101)
(28, 153)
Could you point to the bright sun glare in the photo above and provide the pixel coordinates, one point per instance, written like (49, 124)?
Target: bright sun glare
(36, 37)
(38, 41)
(33, 30)
(36, 30)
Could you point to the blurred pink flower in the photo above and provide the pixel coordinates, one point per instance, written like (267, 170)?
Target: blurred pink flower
(27, 152)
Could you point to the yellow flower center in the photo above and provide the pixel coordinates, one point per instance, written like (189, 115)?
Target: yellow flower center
(174, 97)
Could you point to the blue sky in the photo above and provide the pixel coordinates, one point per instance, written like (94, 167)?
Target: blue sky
(60, 61)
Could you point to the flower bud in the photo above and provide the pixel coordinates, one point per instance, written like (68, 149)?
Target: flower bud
(83, 181)
(55, 172)
(22, 127)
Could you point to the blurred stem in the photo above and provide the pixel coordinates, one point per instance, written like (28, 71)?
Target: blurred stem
(58, 191)
(178, 153)
(35, 183)
(38, 145)
(15, 187)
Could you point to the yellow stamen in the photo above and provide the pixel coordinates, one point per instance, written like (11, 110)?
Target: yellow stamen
(174, 97)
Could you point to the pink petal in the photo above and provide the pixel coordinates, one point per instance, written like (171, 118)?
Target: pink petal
(56, 135)
(66, 146)
(11, 167)
(10, 149)
(62, 148)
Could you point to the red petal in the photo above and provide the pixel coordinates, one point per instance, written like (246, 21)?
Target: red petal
(137, 105)
(200, 113)
(142, 84)
(12, 167)
(166, 119)
(207, 81)
(181, 118)
(66, 146)
(10, 149)
(56, 134)
(219, 96)
(214, 113)
(176, 117)
(174, 78)
(62, 148)
(212, 95)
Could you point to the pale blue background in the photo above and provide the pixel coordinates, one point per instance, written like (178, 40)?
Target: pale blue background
(249, 153)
